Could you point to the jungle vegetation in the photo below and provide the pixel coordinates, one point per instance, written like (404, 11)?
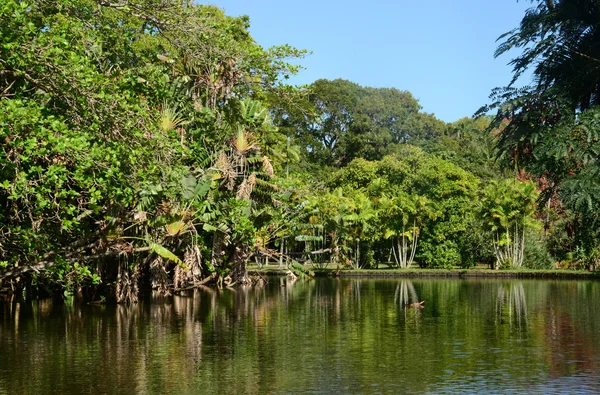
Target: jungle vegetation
(155, 144)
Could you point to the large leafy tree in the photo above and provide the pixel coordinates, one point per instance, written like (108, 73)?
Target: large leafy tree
(112, 114)
(334, 105)
(423, 205)
(349, 121)
(77, 130)
(469, 144)
(552, 126)
(560, 40)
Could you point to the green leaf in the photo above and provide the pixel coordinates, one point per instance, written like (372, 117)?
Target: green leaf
(163, 252)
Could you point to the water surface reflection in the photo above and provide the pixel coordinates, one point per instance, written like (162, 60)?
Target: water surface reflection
(320, 336)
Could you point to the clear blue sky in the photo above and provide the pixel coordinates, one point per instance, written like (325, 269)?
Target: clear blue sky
(439, 50)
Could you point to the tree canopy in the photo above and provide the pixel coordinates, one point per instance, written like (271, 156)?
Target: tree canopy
(551, 126)
(155, 144)
(349, 121)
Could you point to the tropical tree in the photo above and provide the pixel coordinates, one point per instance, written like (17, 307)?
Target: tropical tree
(551, 129)
(469, 144)
(244, 174)
(507, 209)
(335, 212)
(362, 230)
(334, 103)
(114, 117)
(559, 40)
(450, 193)
(349, 121)
(417, 198)
(401, 217)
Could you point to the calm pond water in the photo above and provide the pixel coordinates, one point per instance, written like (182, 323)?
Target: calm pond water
(317, 336)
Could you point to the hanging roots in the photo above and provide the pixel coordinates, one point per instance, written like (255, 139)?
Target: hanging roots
(127, 283)
(160, 277)
(193, 260)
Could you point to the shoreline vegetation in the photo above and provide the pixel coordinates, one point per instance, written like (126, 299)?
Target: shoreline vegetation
(438, 273)
(156, 145)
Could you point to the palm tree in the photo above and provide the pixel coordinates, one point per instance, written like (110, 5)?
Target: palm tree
(244, 170)
(402, 215)
(507, 209)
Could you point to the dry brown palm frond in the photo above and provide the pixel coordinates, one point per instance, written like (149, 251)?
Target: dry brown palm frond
(127, 283)
(267, 166)
(222, 162)
(243, 191)
(181, 277)
(192, 258)
(140, 216)
(160, 278)
(252, 180)
(246, 188)
(226, 169)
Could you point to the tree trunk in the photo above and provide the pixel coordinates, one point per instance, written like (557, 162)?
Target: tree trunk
(239, 269)
(281, 253)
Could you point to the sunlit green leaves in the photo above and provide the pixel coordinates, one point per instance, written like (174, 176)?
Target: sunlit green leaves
(163, 252)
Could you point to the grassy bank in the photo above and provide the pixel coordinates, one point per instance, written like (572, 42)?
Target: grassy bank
(454, 273)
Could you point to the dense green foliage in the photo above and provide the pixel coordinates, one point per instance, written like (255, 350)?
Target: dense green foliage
(349, 121)
(124, 132)
(156, 144)
(552, 126)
